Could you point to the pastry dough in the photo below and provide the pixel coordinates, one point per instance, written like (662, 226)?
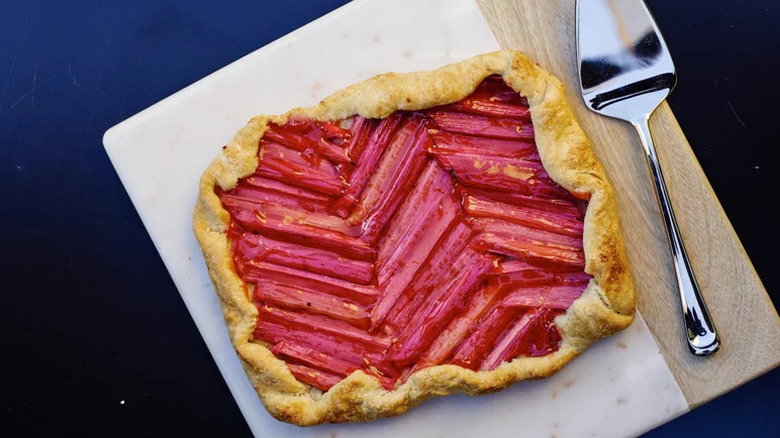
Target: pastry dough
(605, 307)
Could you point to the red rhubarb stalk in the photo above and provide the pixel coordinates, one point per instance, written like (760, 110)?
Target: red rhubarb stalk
(285, 164)
(534, 334)
(301, 142)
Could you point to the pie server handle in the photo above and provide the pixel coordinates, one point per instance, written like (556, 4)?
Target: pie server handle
(702, 337)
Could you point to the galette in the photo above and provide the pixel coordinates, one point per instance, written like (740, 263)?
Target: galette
(411, 236)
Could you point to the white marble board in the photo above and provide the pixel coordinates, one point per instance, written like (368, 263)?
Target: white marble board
(619, 387)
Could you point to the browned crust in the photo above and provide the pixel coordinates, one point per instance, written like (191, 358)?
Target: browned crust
(606, 306)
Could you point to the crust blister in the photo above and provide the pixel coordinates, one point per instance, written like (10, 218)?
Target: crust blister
(606, 306)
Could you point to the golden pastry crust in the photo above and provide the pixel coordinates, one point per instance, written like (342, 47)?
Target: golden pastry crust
(605, 307)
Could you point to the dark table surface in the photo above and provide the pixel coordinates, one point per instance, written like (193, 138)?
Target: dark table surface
(96, 338)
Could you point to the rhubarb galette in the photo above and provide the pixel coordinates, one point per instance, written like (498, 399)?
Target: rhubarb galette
(413, 235)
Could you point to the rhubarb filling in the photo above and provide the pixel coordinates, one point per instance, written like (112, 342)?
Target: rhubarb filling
(429, 237)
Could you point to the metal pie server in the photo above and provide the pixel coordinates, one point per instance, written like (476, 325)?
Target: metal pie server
(626, 71)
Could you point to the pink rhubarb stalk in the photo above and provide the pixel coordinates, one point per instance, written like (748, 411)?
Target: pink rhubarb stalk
(262, 198)
(257, 248)
(367, 160)
(534, 334)
(503, 348)
(475, 124)
(339, 329)
(438, 265)
(574, 277)
(516, 274)
(393, 177)
(450, 143)
(551, 297)
(471, 352)
(335, 346)
(490, 108)
(395, 278)
(461, 326)
(270, 185)
(314, 358)
(309, 229)
(565, 204)
(316, 378)
(440, 307)
(553, 251)
(362, 129)
(531, 217)
(314, 301)
(501, 173)
(288, 165)
(425, 214)
(263, 271)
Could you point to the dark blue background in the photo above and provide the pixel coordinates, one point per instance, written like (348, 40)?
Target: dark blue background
(96, 338)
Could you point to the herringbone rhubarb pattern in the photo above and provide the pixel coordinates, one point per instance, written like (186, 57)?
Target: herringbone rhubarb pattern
(424, 238)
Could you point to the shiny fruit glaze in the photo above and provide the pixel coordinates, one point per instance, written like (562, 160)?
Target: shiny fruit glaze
(429, 237)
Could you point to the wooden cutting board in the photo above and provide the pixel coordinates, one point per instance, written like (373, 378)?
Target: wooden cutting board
(747, 321)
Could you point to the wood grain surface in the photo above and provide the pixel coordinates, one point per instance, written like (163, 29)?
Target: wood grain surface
(747, 322)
